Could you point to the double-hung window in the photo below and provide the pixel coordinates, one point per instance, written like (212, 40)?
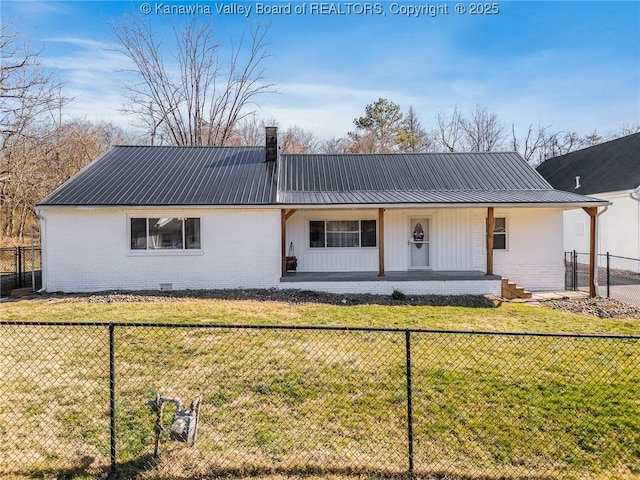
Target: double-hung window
(342, 233)
(165, 233)
(500, 233)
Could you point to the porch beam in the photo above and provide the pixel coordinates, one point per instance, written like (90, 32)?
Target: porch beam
(593, 214)
(490, 229)
(381, 242)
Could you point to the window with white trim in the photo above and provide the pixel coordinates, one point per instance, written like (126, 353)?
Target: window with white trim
(500, 233)
(165, 233)
(342, 233)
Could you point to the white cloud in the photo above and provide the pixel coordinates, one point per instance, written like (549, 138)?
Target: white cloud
(37, 8)
(87, 56)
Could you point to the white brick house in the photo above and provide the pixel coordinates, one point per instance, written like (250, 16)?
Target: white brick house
(226, 217)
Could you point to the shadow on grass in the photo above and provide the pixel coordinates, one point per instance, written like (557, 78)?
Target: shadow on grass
(143, 467)
(272, 295)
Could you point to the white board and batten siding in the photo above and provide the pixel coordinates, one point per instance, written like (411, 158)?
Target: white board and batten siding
(449, 236)
(89, 250)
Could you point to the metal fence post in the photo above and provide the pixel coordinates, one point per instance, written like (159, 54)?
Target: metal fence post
(33, 263)
(407, 336)
(575, 270)
(112, 396)
(19, 269)
(608, 275)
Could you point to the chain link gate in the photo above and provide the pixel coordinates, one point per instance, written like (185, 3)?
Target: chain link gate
(20, 267)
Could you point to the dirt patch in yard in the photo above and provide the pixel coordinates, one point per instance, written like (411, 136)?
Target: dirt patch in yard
(274, 295)
(597, 307)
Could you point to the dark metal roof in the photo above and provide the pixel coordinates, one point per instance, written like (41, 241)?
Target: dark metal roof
(607, 167)
(436, 178)
(175, 176)
(144, 175)
(404, 172)
(435, 197)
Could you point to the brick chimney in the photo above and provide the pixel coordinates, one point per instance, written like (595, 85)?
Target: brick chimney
(271, 144)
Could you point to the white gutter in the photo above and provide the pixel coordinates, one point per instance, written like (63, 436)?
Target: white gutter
(321, 206)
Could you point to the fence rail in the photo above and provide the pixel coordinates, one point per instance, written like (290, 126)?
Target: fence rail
(617, 277)
(20, 267)
(318, 400)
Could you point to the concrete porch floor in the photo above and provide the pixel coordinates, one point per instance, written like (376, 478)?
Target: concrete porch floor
(409, 276)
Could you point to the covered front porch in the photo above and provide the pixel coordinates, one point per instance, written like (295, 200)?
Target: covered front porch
(422, 250)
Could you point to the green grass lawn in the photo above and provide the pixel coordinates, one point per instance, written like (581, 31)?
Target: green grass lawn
(320, 404)
(506, 317)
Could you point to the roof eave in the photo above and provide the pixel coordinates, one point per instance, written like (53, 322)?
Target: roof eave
(564, 205)
(600, 203)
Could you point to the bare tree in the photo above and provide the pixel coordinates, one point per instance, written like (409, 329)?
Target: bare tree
(28, 92)
(298, 140)
(482, 131)
(532, 147)
(50, 156)
(250, 131)
(448, 133)
(628, 129)
(201, 103)
(333, 145)
(31, 102)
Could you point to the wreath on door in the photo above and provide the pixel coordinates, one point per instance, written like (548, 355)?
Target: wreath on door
(418, 235)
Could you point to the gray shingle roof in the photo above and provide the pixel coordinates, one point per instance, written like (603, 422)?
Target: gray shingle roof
(166, 176)
(163, 176)
(608, 167)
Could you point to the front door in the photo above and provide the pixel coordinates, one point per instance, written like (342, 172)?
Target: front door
(419, 244)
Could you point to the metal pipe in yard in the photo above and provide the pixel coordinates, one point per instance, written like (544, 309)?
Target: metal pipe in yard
(112, 396)
(407, 336)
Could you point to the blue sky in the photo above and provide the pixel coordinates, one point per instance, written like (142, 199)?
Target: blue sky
(570, 65)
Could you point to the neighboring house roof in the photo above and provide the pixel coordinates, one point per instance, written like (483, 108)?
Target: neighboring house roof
(607, 167)
(180, 176)
(144, 175)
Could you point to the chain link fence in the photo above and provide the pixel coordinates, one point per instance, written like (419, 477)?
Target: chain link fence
(622, 278)
(618, 277)
(305, 401)
(20, 267)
